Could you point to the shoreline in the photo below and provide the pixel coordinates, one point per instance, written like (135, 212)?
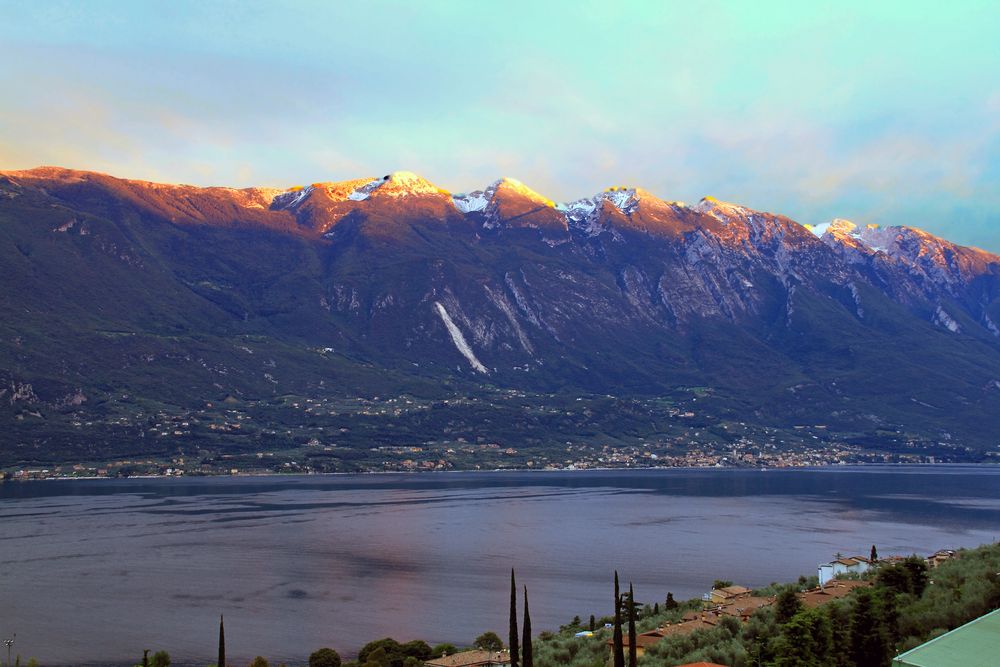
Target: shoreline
(413, 473)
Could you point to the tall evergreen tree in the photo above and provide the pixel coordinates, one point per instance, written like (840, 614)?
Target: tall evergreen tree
(888, 610)
(868, 642)
(618, 651)
(222, 643)
(145, 657)
(874, 555)
(840, 632)
(527, 658)
(633, 656)
(512, 639)
(786, 605)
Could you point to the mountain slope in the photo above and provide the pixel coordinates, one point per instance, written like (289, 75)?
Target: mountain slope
(177, 296)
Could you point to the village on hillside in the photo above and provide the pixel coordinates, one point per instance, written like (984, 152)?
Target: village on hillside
(836, 578)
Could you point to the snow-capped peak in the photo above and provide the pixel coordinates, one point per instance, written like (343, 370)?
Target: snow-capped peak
(516, 186)
(472, 201)
(872, 237)
(476, 200)
(624, 199)
(479, 200)
(365, 190)
(292, 197)
(841, 226)
(838, 229)
(584, 212)
(717, 208)
(396, 184)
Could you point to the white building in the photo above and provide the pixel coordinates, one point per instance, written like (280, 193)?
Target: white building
(829, 571)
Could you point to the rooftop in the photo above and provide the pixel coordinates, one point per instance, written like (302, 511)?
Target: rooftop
(467, 658)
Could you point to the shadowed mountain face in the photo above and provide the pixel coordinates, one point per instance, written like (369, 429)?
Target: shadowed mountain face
(179, 295)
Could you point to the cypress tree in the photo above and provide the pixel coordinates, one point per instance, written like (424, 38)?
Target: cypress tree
(593, 623)
(618, 651)
(633, 657)
(512, 639)
(145, 657)
(527, 658)
(222, 643)
(874, 555)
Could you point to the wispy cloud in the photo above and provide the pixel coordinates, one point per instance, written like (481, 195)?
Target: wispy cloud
(863, 110)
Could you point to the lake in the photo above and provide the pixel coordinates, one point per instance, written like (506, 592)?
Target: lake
(94, 571)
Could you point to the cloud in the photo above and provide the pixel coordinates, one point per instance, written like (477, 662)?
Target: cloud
(810, 111)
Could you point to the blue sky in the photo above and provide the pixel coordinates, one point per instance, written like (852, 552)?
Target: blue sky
(875, 111)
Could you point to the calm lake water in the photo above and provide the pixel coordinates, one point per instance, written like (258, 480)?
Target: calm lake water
(95, 571)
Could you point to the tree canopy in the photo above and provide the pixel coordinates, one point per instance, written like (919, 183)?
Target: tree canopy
(324, 657)
(489, 641)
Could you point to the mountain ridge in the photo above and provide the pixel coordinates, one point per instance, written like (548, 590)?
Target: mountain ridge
(403, 183)
(372, 284)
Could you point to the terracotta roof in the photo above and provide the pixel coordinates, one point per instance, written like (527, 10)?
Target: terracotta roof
(467, 658)
(892, 559)
(690, 626)
(744, 606)
(645, 640)
(832, 591)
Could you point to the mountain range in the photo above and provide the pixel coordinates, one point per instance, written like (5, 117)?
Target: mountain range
(125, 299)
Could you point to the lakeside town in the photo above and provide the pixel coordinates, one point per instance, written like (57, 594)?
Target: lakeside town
(452, 458)
(499, 430)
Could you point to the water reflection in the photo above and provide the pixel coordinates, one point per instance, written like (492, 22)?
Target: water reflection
(98, 570)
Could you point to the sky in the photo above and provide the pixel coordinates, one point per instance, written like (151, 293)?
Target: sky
(884, 112)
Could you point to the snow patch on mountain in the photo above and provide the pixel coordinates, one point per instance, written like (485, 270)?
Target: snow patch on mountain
(579, 209)
(584, 214)
(869, 237)
(945, 320)
(365, 190)
(856, 295)
(459, 340)
(625, 200)
(720, 210)
(478, 200)
(292, 198)
(990, 325)
(485, 200)
(819, 229)
(469, 203)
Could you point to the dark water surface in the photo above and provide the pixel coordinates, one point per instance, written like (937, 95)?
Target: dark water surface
(96, 571)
